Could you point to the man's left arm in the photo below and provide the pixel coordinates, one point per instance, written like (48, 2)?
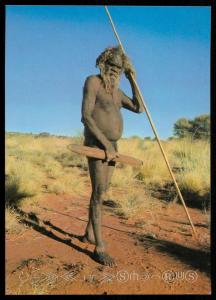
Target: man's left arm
(135, 104)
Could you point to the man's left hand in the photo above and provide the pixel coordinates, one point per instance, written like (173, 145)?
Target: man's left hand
(129, 69)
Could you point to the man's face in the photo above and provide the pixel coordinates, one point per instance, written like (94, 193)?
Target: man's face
(114, 67)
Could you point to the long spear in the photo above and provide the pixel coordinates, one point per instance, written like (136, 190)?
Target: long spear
(154, 129)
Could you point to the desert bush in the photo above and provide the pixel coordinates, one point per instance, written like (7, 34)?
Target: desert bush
(13, 194)
(198, 128)
(23, 179)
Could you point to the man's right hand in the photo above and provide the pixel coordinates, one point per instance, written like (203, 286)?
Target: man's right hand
(110, 153)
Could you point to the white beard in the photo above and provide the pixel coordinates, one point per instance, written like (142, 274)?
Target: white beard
(110, 82)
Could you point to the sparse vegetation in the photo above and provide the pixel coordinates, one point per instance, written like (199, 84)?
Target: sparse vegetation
(37, 164)
(189, 159)
(12, 222)
(135, 204)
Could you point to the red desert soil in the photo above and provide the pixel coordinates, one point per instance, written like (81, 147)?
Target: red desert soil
(158, 257)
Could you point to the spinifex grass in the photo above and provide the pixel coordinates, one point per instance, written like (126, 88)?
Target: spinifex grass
(37, 164)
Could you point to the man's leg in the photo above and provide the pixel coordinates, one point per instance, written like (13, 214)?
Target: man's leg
(98, 172)
(108, 172)
(110, 169)
(89, 235)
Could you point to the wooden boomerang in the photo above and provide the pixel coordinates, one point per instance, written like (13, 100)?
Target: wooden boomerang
(99, 153)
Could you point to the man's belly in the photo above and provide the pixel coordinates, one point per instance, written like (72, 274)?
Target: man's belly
(110, 123)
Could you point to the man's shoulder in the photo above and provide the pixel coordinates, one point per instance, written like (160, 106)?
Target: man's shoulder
(93, 79)
(120, 92)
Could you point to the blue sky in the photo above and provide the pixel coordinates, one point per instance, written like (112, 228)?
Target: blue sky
(50, 50)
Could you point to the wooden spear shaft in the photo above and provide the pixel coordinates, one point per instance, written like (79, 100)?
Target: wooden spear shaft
(154, 130)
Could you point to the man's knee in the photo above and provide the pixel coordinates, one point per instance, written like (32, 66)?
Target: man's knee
(98, 192)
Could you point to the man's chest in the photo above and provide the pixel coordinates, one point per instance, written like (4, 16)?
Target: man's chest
(108, 101)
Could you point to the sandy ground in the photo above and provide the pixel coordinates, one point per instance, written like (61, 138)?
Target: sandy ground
(157, 257)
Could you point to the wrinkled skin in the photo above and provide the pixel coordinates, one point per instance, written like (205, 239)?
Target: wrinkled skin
(103, 123)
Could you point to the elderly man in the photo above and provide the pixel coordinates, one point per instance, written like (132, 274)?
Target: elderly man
(102, 119)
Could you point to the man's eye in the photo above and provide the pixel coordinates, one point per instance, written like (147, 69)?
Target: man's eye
(113, 65)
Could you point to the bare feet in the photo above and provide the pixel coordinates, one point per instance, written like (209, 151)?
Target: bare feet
(87, 239)
(104, 258)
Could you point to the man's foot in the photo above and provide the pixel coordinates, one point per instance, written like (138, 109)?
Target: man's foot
(104, 258)
(87, 239)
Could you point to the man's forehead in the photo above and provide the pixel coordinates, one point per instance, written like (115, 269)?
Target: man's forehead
(116, 60)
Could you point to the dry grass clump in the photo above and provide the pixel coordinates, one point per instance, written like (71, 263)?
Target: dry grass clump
(123, 176)
(36, 164)
(136, 204)
(154, 170)
(12, 222)
(69, 183)
(194, 158)
(23, 179)
(189, 159)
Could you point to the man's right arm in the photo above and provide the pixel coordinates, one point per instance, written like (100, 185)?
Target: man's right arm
(89, 97)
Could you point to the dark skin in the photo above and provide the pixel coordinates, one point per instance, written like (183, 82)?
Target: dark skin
(103, 127)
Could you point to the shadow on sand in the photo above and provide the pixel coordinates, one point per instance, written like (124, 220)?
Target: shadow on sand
(31, 220)
(195, 258)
